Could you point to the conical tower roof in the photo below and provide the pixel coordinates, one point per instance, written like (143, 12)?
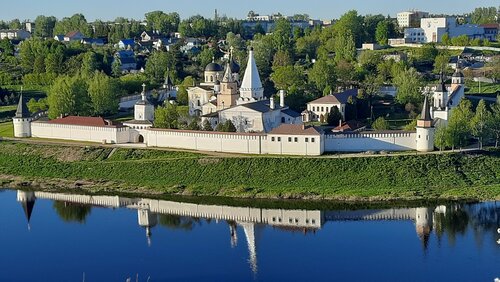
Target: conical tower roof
(251, 78)
(22, 109)
(28, 208)
(426, 112)
(228, 74)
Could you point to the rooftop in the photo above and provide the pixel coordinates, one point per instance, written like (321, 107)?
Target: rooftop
(84, 121)
(337, 98)
(295, 129)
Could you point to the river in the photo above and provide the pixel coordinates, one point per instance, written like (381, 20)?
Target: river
(69, 237)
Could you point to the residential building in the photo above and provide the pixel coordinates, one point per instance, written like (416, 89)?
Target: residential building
(73, 36)
(126, 44)
(490, 31)
(14, 34)
(433, 29)
(410, 18)
(319, 108)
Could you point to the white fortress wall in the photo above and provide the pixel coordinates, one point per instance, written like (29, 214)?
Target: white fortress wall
(206, 141)
(80, 133)
(358, 142)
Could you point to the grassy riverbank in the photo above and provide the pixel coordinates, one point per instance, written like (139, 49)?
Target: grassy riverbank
(98, 169)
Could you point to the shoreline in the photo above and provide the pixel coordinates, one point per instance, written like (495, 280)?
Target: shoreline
(93, 169)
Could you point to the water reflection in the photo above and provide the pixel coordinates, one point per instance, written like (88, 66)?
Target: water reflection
(449, 220)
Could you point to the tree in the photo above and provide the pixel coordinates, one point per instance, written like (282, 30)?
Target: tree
(77, 22)
(182, 95)
(441, 63)
(380, 124)
(103, 92)
(345, 72)
(485, 15)
(157, 65)
(408, 83)
(459, 124)
(69, 96)
(161, 22)
(322, 74)
(206, 56)
(494, 121)
(445, 39)
(15, 24)
(207, 126)
(382, 32)
(441, 137)
(288, 78)
(226, 126)
(90, 63)
(116, 68)
(461, 40)
(282, 36)
(166, 116)
(70, 212)
(281, 59)
(352, 23)
(479, 123)
(427, 53)
(345, 47)
(334, 117)
(44, 26)
(37, 106)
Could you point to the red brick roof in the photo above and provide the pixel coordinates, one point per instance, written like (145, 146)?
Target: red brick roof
(295, 129)
(83, 121)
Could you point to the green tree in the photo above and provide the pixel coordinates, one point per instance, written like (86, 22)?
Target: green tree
(352, 23)
(162, 22)
(207, 126)
(459, 125)
(166, 116)
(461, 40)
(382, 32)
(322, 74)
(345, 72)
(479, 123)
(408, 83)
(157, 65)
(206, 56)
(44, 26)
(288, 78)
(493, 124)
(103, 92)
(37, 106)
(15, 24)
(380, 124)
(441, 138)
(90, 63)
(282, 36)
(441, 63)
(334, 117)
(445, 39)
(71, 212)
(345, 48)
(116, 68)
(485, 15)
(182, 95)
(69, 96)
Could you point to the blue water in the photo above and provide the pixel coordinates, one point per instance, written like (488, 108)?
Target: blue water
(102, 243)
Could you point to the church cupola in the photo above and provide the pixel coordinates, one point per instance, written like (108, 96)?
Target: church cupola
(441, 94)
(251, 87)
(143, 110)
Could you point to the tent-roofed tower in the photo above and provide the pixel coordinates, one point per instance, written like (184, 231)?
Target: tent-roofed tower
(22, 119)
(251, 87)
(425, 129)
(27, 200)
(228, 94)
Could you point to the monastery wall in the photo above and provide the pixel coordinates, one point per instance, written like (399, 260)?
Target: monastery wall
(206, 141)
(359, 142)
(80, 133)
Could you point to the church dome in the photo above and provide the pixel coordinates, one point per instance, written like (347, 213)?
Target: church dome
(235, 68)
(213, 67)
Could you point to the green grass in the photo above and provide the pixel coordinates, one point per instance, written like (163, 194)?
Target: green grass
(447, 176)
(486, 88)
(7, 108)
(6, 129)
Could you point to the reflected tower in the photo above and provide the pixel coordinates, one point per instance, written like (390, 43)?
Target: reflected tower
(27, 200)
(148, 220)
(423, 225)
(251, 233)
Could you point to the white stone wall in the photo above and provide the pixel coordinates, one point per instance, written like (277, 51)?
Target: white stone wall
(80, 133)
(306, 145)
(206, 141)
(370, 142)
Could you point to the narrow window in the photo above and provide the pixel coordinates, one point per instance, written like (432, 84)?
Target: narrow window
(272, 139)
(307, 139)
(296, 139)
(279, 139)
(289, 139)
(312, 140)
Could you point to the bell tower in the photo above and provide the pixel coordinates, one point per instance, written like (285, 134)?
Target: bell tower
(228, 94)
(425, 129)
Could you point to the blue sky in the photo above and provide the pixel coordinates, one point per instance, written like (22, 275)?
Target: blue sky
(319, 9)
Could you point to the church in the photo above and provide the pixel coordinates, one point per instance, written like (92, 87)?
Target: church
(223, 97)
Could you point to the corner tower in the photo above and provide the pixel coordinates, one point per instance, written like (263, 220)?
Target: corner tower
(425, 129)
(251, 87)
(22, 119)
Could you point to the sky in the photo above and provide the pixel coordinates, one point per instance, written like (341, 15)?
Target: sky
(317, 9)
